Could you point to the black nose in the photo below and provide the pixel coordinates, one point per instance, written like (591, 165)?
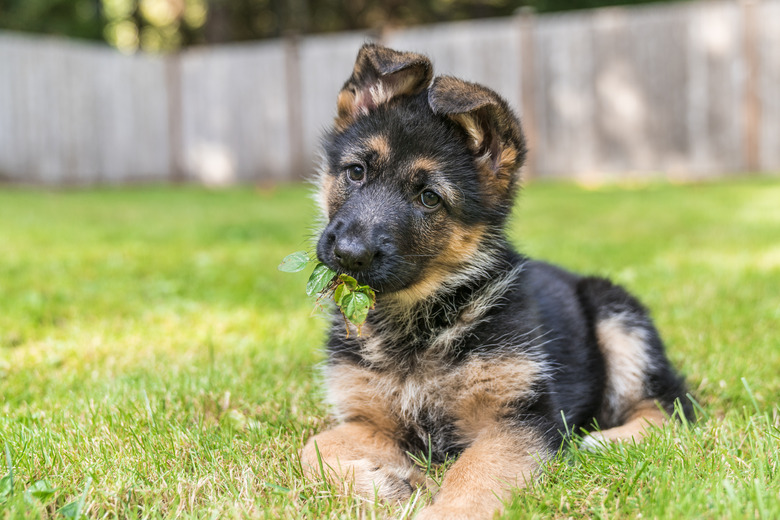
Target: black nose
(353, 254)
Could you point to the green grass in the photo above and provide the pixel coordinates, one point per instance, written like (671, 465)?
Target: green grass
(153, 362)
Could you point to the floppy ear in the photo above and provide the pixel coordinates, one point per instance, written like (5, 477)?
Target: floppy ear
(381, 74)
(494, 132)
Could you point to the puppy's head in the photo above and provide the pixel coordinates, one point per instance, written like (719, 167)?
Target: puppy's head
(418, 175)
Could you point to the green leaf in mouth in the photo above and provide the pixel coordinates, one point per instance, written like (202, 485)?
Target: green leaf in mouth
(353, 300)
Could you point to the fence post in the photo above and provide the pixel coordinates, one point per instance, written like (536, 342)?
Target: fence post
(526, 20)
(292, 79)
(751, 101)
(175, 144)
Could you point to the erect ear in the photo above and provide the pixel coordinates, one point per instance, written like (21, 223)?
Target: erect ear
(494, 132)
(381, 74)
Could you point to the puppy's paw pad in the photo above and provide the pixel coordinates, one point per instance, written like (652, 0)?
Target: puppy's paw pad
(595, 441)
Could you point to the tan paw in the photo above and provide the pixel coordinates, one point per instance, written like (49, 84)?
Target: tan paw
(370, 479)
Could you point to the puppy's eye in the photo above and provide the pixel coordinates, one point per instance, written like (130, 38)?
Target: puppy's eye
(430, 199)
(356, 172)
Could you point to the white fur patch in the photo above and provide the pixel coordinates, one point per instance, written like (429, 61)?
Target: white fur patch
(379, 93)
(594, 442)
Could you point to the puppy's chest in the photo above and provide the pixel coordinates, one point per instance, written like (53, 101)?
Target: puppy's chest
(451, 404)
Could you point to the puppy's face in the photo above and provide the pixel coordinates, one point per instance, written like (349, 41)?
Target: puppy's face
(401, 195)
(410, 190)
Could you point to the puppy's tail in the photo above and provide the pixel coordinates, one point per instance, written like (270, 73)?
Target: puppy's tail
(637, 369)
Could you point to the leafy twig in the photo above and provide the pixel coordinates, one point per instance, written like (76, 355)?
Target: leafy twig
(353, 300)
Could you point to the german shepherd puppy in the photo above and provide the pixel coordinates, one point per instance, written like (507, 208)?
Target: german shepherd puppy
(473, 350)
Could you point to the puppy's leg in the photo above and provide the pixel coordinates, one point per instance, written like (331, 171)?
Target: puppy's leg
(643, 417)
(483, 477)
(359, 456)
(638, 375)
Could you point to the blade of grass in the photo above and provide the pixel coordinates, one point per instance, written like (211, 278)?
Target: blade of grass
(7, 482)
(750, 394)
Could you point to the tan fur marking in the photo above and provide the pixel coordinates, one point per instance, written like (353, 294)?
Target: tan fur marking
(488, 388)
(324, 193)
(496, 172)
(472, 128)
(477, 393)
(508, 161)
(355, 393)
(361, 459)
(424, 288)
(345, 105)
(462, 247)
(380, 145)
(642, 418)
(483, 478)
(425, 164)
(625, 355)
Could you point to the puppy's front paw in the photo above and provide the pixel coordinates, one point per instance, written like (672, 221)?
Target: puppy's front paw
(357, 458)
(387, 482)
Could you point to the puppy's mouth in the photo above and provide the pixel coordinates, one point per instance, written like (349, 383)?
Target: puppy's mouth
(375, 275)
(381, 268)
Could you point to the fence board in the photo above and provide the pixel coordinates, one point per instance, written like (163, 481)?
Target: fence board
(716, 88)
(234, 117)
(132, 113)
(10, 121)
(639, 101)
(563, 96)
(769, 85)
(76, 113)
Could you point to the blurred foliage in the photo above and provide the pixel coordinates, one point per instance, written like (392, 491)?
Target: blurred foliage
(164, 25)
(78, 18)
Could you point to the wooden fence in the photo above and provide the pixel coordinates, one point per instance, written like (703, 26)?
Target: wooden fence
(682, 91)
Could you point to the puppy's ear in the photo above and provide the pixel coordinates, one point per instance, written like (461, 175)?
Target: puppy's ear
(495, 136)
(381, 74)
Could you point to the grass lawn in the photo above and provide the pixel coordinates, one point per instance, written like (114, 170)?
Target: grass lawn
(154, 363)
